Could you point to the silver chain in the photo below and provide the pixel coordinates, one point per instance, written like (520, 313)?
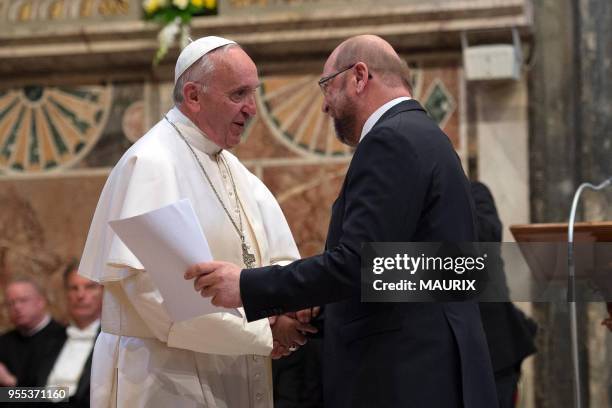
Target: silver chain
(237, 227)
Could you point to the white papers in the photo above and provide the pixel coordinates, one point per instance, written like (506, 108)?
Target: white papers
(167, 241)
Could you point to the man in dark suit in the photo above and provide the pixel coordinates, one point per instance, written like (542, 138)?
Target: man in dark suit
(35, 336)
(510, 334)
(71, 366)
(404, 183)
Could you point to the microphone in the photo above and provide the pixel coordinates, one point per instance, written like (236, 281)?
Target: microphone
(571, 284)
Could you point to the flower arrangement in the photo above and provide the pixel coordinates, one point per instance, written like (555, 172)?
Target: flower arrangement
(175, 16)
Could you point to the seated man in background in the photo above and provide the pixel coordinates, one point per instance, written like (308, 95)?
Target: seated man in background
(35, 335)
(72, 366)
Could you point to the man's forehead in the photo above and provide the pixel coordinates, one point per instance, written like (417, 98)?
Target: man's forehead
(328, 67)
(234, 64)
(21, 289)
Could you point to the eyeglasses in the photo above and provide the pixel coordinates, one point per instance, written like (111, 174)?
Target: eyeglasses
(324, 82)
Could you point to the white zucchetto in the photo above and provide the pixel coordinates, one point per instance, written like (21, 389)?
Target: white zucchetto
(196, 50)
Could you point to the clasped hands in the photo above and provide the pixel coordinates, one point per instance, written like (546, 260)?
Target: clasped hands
(221, 282)
(289, 331)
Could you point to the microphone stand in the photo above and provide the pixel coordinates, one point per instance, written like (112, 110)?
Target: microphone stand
(571, 286)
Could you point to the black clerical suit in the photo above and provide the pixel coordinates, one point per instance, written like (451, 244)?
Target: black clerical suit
(23, 355)
(404, 183)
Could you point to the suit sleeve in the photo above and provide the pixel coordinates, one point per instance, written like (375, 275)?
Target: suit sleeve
(382, 203)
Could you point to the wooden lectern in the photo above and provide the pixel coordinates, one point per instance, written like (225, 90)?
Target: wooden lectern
(596, 262)
(600, 271)
(583, 231)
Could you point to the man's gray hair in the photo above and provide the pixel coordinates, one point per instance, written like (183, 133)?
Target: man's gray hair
(35, 283)
(199, 72)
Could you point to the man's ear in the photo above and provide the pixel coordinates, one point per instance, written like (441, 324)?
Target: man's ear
(361, 76)
(191, 97)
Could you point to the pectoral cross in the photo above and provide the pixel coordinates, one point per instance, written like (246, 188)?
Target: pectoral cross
(247, 257)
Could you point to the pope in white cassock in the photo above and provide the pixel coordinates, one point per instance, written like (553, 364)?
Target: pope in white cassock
(142, 358)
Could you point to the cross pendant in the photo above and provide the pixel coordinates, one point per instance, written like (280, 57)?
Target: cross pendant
(247, 257)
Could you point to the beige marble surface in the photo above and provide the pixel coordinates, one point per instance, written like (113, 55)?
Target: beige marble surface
(503, 151)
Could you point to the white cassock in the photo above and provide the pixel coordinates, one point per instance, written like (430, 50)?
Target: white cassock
(142, 358)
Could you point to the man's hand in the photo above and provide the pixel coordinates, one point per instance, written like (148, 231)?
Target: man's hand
(306, 315)
(278, 350)
(217, 280)
(7, 379)
(290, 332)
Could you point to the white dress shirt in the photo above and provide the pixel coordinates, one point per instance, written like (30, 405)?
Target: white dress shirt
(374, 117)
(69, 365)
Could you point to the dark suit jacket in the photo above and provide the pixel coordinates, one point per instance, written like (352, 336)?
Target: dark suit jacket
(404, 183)
(510, 334)
(23, 355)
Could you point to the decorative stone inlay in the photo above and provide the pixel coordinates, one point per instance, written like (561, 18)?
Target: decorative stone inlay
(439, 103)
(24, 11)
(43, 129)
(291, 108)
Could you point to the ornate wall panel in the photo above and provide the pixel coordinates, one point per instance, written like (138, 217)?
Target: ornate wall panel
(50, 128)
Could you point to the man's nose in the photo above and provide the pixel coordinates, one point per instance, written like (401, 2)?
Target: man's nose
(250, 106)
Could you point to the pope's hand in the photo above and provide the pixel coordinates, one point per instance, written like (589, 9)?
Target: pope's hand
(306, 315)
(217, 280)
(290, 332)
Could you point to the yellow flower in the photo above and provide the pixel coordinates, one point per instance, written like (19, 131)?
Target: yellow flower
(150, 6)
(182, 4)
(210, 3)
(197, 3)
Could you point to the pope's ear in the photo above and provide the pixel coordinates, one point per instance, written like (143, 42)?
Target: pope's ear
(191, 97)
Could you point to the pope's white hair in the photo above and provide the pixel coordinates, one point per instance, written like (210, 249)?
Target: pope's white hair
(199, 72)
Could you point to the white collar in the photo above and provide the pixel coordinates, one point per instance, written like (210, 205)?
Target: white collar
(196, 138)
(374, 117)
(88, 332)
(43, 323)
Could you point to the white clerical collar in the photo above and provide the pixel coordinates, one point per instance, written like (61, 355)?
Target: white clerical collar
(43, 323)
(374, 117)
(192, 133)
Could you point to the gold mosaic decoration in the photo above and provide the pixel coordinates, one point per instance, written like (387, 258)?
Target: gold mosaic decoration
(49, 128)
(291, 108)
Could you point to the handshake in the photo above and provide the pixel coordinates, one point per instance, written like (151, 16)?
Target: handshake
(289, 331)
(220, 281)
